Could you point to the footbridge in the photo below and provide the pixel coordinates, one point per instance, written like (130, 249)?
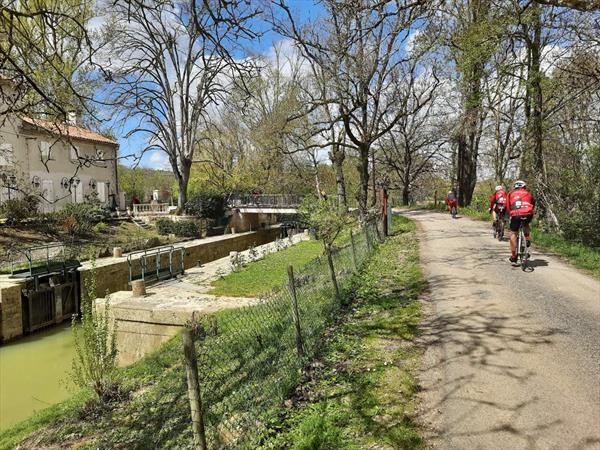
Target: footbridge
(265, 203)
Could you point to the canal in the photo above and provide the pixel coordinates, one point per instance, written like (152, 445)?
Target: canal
(34, 373)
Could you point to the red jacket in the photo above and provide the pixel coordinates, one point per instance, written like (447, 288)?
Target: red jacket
(451, 201)
(498, 198)
(520, 202)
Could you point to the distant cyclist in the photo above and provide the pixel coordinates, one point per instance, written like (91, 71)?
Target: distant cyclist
(498, 201)
(521, 206)
(451, 203)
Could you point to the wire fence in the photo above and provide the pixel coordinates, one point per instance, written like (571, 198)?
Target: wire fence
(249, 360)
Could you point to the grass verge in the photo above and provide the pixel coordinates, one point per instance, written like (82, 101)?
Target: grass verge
(361, 391)
(262, 276)
(579, 255)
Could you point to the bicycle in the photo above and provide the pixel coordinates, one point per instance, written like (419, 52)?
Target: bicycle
(499, 224)
(522, 250)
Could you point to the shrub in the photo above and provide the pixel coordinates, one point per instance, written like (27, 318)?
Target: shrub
(18, 209)
(182, 228)
(164, 226)
(78, 219)
(186, 228)
(206, 205)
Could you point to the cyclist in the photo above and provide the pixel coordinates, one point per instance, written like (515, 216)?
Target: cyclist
(451, 201)
(497, 202)
(521, 207)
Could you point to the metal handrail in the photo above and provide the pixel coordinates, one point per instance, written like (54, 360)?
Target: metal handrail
(157, 252)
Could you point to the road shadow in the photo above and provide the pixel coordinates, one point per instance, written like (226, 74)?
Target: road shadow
(479, 341)
(538, 263)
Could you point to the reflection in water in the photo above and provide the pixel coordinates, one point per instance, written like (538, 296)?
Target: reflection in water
(34, 373)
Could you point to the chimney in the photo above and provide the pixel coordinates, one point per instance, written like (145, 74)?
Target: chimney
(72, 118)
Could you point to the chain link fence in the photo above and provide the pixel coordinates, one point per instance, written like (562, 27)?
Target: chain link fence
(249, 360)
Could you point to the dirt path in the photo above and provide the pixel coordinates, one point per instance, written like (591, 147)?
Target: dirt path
(513, 358)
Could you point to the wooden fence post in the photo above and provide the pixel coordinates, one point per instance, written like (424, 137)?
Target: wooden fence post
(191, 364)
(353, 247)
(295, 313)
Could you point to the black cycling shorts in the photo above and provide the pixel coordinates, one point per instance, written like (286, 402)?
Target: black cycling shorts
(515, 221)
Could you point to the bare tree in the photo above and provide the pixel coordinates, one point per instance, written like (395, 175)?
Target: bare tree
(170, 65)
(410, 148)
(360, 46)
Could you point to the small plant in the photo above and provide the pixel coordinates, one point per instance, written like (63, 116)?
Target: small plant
(237, 261)
(101, 227)
(94, 363)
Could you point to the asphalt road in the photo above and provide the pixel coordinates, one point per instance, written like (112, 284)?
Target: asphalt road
(512, 358)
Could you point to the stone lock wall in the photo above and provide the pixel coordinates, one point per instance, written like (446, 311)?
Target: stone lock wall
(11, 320)
(112, 274)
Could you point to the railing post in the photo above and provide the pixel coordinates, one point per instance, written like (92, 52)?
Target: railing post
(191, 365)
(352, 245)
(295, 313)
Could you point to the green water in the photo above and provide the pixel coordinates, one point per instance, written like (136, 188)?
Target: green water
(34, 373)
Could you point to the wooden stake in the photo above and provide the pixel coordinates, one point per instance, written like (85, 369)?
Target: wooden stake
(295, 313)
(191, 364)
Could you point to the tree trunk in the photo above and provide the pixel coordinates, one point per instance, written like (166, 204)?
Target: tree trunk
(532, 163)
(363, 189)
(337, 157)
(373, 181)
(406, 194)
(183, 179)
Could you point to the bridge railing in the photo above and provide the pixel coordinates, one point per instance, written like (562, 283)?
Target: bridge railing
(141, 209)
(265, 201)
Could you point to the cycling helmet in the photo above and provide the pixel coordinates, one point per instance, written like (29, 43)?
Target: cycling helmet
(450, 192)
(499, 188)
(519, 184)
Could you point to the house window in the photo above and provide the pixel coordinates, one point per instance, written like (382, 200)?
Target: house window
(45, 150)
(99, 154)
(75, 153)
(6, 151)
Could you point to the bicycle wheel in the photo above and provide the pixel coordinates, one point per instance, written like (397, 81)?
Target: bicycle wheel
(500, 233)
(522, 247)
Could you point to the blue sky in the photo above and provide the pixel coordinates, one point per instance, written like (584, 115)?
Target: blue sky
(304, 10)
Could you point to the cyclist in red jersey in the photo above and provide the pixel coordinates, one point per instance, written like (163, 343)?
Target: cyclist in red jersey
(497, 200)
(451, 200)
(521, 206)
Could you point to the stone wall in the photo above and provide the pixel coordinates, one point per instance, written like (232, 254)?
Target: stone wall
(11, 321)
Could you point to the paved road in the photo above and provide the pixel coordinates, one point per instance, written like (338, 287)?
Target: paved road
(512, 359)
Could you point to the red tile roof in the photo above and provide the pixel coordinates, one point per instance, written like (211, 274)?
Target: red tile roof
(70, 131)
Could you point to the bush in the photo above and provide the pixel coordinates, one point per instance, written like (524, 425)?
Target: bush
(18, 209)
(182, 228)
(186, 228)
(206, 205)
(78, 219)
(164, 226)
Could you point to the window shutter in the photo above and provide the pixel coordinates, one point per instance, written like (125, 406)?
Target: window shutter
(45, 149)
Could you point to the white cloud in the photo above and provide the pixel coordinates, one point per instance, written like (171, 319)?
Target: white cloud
(158, 160)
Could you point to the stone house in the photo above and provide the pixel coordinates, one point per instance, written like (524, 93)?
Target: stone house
(61, 162)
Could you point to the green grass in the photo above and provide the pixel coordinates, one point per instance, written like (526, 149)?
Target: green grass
(260, 277)
(579, 255)
(363, 392)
